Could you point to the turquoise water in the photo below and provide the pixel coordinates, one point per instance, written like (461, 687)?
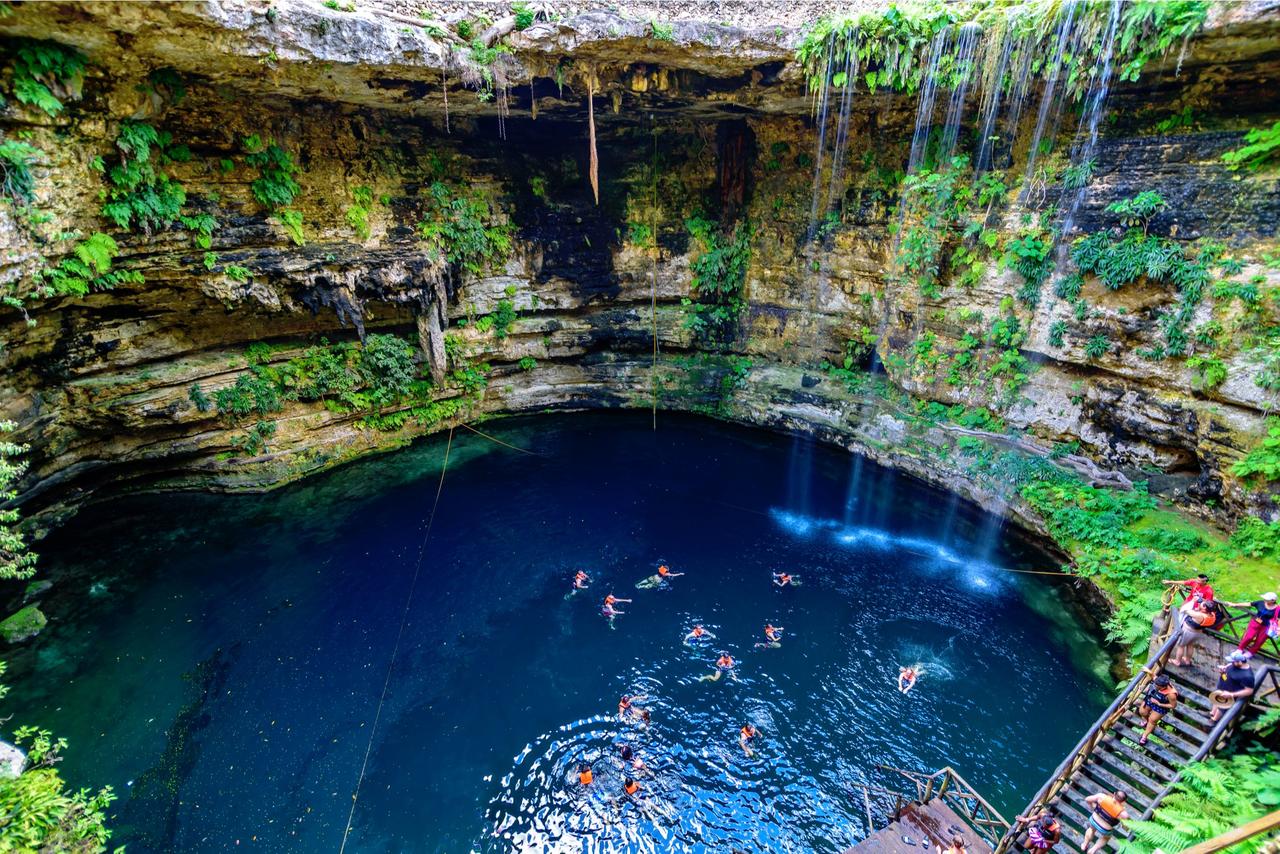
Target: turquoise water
(219, 659)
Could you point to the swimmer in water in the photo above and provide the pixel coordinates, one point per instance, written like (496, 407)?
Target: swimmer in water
(782, 579)
(663, 575)
(581, 580)
(585, 775)
(630, 787)
(628, 756)
(697, 635)
(907, 677)
(724, 664)
(627, 702)
(746, 736)
(773, 637)
(609, 611)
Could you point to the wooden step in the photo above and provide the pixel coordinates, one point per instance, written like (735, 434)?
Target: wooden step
(1124, 741)
(1174, 738)
(1101, 781)
(1189, 731)
(1121, 778)
(1172, 752)
(1119, 759)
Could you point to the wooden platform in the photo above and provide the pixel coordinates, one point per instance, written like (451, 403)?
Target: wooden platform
(931, 822)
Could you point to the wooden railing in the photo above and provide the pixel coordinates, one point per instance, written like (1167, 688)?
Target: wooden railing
(1084, 749)
(984, 819)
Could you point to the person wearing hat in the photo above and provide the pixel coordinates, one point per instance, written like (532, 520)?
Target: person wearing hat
(1264, 615)
(1161, 697)
(1235, 680)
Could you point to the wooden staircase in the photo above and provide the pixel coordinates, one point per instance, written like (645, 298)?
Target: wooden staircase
(1109, 758)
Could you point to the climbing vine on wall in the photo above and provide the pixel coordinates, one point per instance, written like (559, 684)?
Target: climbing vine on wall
(716, 293)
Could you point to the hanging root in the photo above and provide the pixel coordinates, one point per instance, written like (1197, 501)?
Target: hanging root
(591, 135)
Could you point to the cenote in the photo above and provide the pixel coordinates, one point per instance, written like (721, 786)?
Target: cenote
(221, 660)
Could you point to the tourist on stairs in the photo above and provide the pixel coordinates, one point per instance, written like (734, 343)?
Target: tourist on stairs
(1194, 621)
(1265, 622)
(698, 634)
(1196, 589)
(1235, 681)
(907, 677)
(1108, 812)
(1043, 830)
(1160, 699)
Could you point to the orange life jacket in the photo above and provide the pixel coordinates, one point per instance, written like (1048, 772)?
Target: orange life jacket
(724, 661)
(632, 787)
(1110, 807)
(662, 570)
(748, 732)
(697, 631)
(585, 777)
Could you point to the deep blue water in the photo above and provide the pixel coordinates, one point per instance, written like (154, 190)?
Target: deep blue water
(219, 659)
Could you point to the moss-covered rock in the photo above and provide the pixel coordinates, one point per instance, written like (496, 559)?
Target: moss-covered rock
(23, 625)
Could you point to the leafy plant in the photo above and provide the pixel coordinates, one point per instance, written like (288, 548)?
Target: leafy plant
(463, 229)
(45, 73)
(1138, 211)
(291, 221)
(524, 15)
(16, 559)
(718, 275)
(1097, 346)
(358, 211)
(87, 269)
(1056, 332)
(140, 194)
(1210, 370)
(661, 32)
(1262, 461)
(1262, 146)
(16, 160)
(274, 188)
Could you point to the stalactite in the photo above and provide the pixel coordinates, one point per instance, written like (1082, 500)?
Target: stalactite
(591, 135)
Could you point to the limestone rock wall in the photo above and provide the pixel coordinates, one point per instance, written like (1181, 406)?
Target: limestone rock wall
(101, 385)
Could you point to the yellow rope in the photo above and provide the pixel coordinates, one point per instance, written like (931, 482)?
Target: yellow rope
(404, 619)
(500, 442)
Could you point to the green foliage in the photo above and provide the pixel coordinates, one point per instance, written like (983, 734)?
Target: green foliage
(1172, 540)
(933, 203)
(45, 73)
(527, 363)
(358, 211)
(16, 160)
(1210, 798)
(1138, 211)
(202, 401)
(1262, 146)
(500, 321)
(1077, 175)
(1030, 255)
(1262, 462)
(253, 441)
(891, 41)
(719, 275)
(464, 28)
(291, 221)
(274, 188)
(1256, 538)
(1097, 346)
(1057, 330)
(87, 269)
(40, 813)
(386, 367)
(524, 15)
(16, 559)
(661, 32)
(237, 273)
(203, 225)
(464, 229)
(139, 193)
(1211, 372)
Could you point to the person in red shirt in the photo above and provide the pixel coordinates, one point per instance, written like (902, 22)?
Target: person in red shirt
(1196, 588)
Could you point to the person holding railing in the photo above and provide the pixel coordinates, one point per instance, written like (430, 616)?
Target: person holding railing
(1043, 830)
(1194, 621)
(1160, 698)
(1263, 623)
(1196, 590)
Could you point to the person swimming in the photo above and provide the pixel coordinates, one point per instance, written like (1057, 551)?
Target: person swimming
(585, 775)
(907, 677)
(628, 756)
(663, 575)
(630, 787)
(773, 637)
(747, 734)
(724, 664)
(581, 580)
(783, 579)
(698, 634)
(609, 611)
(627, 704)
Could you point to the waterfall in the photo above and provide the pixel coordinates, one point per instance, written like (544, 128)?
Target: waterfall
(1065, 33)
(851, 497)
(966, 48)
(823, 97)
(842, 128)
(1086, 141)
(800, 475)
(928, 95)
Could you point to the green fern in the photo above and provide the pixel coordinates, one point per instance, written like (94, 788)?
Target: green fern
(291, 221)
(275, 187)
(45, 73)
(141, 195)
(16, 160)
(87, 270)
